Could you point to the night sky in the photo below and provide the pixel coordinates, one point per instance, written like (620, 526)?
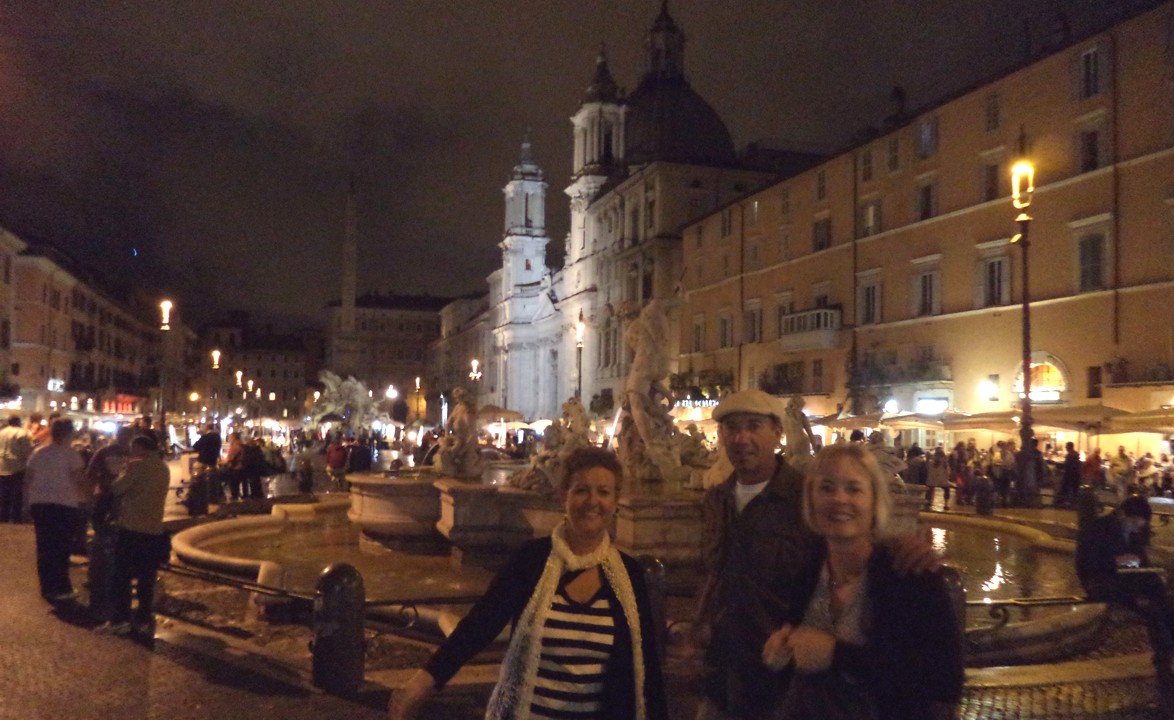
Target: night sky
(215, 138)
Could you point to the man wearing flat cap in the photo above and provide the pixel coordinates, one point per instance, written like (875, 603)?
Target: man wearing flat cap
(756, 543)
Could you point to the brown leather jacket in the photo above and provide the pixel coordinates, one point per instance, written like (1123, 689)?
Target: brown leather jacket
(753, 560)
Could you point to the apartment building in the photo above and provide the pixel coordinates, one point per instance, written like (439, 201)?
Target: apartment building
(886, 276)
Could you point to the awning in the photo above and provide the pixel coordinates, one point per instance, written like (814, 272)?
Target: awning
(493, 413)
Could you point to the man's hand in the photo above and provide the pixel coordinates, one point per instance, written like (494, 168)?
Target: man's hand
(813, 649)
(777, 653)
(913, 554)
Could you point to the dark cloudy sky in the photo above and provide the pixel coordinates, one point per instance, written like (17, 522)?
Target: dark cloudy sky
(216, 136)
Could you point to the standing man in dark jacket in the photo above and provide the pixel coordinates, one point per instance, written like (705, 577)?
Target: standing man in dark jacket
(1069, 479)
(208, 447)
(756, 545)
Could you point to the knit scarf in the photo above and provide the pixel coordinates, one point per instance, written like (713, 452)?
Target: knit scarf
(514, 693)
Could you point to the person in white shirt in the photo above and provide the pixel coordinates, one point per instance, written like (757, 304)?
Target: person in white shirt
(15, 448)
(58, 494)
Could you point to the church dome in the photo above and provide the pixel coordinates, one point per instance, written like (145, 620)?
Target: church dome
(667, 120)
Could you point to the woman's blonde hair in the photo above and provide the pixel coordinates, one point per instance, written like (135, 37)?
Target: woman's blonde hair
(831, 456)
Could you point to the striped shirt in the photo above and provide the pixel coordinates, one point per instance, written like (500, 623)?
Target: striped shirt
(577, 642)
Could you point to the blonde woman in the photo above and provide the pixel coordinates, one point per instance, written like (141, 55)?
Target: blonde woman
(865, 642)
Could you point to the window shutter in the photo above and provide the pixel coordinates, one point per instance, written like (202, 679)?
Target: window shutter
(937, 292)
(1006, 284)
(979, 283)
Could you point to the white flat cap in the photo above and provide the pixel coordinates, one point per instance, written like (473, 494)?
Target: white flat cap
(754, 402)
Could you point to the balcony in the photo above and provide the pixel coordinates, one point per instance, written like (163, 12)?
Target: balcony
(817, 329)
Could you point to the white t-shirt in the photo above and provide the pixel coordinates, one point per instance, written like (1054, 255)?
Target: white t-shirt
(743, 494)
(51, 476)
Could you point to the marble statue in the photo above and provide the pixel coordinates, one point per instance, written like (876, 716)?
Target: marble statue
(571, 431)
(651, 459)
(459, 455)
(797, 431)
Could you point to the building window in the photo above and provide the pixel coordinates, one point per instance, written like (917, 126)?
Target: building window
(1092, 262)
(821, 294)
(870, 218)
(996, 282)
(752, 325)
(699, 333)
(927, 293)
(992, 177)
(753, 212)
(927, 201)
(894, 154)
(1095, 382)
(785, 246)
(725, 332)
(1090, 73)
(868, 301)
(785, 201)
(821, 185)
(927, 138)
(785, 307)
(650, 213)
(992, 112)
(1090, 150)
(821, 234)
(727, 222)
(866, 166)
(817, 375)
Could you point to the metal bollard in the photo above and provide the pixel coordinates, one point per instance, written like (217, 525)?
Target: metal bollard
(338, 630)
(984, 495)
(657, 586)
(957, 591)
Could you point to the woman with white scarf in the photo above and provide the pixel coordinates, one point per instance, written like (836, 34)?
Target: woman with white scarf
(583, 639)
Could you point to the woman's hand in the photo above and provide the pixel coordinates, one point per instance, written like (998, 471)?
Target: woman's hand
(406, 701)
(777, 653)
(813, 649)
(913, 554)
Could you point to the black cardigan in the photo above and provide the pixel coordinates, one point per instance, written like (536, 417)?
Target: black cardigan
(913, 655)
(506, 598)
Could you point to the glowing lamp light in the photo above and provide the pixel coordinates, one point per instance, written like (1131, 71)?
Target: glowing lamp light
(250, 386)
(891, 406)
(239, 375)
(392, 393)
(195, 396)
(417, 383)
(165, 314)
(988, 390)
(215, 359)
(474, 374)
(317, 395)
(580, 326)
(1022, 184)
(272, 396)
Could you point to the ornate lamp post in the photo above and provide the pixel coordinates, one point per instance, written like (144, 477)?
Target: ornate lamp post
(1022, 187)
(475, 373)
(417, 397)
(165, 307)
(580, 326)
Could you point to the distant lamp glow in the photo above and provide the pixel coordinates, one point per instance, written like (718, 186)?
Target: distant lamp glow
(272, 396)
(392, 393)
(1022, 184)
(891, 406)
(317, 395)
(474, 374)
(215, 359)
(239, 375)
(195, 396)
(165, 314)
(417, 383)
(250, 386)
(580, 326)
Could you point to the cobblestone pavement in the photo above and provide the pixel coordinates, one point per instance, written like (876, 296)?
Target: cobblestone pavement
(55, 667)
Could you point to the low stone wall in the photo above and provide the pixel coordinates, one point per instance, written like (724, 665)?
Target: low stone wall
(195, 545)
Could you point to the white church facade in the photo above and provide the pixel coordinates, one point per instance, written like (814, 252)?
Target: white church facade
(646, 165)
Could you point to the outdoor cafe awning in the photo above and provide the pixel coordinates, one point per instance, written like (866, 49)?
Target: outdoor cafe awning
(494, 413)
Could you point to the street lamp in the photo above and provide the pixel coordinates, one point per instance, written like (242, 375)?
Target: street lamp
(165, 314)
(1022, 188)
(215, 359)
(579, 327)
(474, 374)
(391, 393)
(417, 397)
